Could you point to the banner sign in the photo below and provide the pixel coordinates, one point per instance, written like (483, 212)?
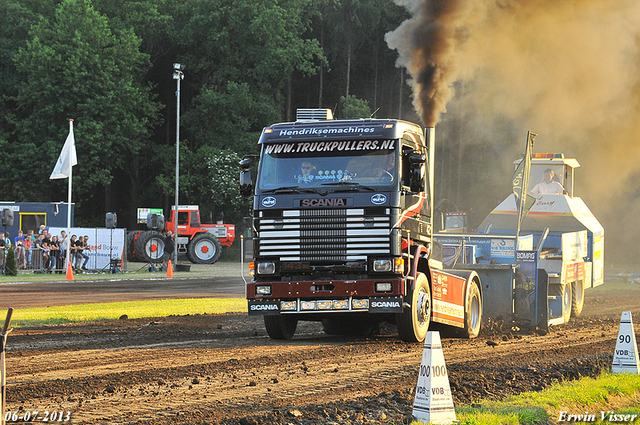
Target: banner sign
(103, 244)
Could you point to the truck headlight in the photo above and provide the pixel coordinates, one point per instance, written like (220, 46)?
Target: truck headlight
(382, 266)
(263, 290)
(387, 265)
(268, 267)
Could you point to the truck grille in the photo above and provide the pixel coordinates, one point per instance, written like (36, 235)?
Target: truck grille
(324, 235)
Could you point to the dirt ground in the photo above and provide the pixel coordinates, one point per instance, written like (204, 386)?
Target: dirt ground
(223, 369)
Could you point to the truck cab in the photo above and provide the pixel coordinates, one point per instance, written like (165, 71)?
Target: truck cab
(342, 225)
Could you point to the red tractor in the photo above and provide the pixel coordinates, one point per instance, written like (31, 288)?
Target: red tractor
(202, 243)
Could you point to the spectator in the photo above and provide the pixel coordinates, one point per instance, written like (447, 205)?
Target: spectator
(7, 240)
(28, 245)
(21, 253)
(3, 254)
(40, 254)
(54, 253)
(81, 246)
(46, 250)
(169, 247)
(73, 251)
(64, 243)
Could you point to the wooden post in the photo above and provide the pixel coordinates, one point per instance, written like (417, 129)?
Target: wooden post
(3, 381)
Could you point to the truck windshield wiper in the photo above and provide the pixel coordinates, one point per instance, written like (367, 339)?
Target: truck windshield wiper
(283, 189)
(291, 189)
(349, 185)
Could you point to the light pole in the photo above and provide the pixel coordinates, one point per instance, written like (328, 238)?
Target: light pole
(178, 75)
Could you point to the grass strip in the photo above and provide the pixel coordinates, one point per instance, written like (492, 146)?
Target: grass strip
(597, 399)
(133, 310)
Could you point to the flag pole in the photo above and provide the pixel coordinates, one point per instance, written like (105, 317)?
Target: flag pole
(66, 262)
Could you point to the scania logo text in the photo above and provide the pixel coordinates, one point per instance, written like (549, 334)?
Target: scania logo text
(256, 307)
(383, 304)
(337, 202)
(378, 199)
(269, 201)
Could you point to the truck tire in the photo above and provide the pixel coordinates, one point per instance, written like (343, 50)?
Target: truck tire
(413, 322)
(150, 247)
(356, 326)
(280, 326)
(567, 299)
(577, 302)
(473, 311)
(204, 248)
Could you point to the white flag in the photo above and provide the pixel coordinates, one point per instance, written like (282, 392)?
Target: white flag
(67, 158)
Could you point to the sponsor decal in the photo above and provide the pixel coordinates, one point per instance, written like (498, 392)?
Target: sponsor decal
(335, 202)
(378, 199)
(328, 146)
(269, 201)
(526, 255)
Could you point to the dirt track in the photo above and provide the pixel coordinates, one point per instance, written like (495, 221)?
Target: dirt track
(224, 369)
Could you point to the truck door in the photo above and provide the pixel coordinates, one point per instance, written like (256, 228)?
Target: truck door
(414, 191)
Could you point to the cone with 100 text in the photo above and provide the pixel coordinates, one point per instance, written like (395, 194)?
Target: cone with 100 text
(433, 402)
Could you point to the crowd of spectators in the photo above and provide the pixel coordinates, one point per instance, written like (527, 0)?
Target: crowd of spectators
(43, 252)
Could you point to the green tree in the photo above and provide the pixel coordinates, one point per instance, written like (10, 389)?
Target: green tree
(240, 57)
(10, 267)
(354, 107)
(76, 67)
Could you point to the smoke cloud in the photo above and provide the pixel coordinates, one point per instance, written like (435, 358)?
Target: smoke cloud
(567, 70)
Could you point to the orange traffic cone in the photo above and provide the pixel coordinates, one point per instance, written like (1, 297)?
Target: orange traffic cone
(70, 272)
(169, 269)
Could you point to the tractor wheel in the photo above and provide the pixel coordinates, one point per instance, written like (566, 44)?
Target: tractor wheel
(131, 244)
(413, 322)
(473, 311)
(281, 326)
(577, 303)
(204, 248)
(150, 247)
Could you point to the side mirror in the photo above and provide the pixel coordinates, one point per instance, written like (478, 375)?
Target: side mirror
(246, 183)
(417, 162)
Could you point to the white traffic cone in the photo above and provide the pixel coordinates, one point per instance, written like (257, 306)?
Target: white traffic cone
(625, 358)
(433, 402)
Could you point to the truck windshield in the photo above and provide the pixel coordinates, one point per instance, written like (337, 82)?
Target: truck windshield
(321, 164)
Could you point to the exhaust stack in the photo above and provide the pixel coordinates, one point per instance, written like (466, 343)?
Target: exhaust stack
(430, 140)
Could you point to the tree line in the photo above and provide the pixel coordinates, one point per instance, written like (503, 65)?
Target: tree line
(108, 64)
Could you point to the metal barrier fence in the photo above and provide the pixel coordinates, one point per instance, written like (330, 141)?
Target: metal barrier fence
(33, 260)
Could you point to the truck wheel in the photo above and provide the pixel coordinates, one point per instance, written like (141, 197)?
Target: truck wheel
(413, 322)
(150, 247)
(473, 311)
(577, 303)
(566, 302)
(280, 326)
(204, 248)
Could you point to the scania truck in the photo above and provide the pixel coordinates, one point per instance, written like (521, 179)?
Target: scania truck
(343, 231)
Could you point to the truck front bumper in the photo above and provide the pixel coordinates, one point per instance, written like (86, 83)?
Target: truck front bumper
(335, 296)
